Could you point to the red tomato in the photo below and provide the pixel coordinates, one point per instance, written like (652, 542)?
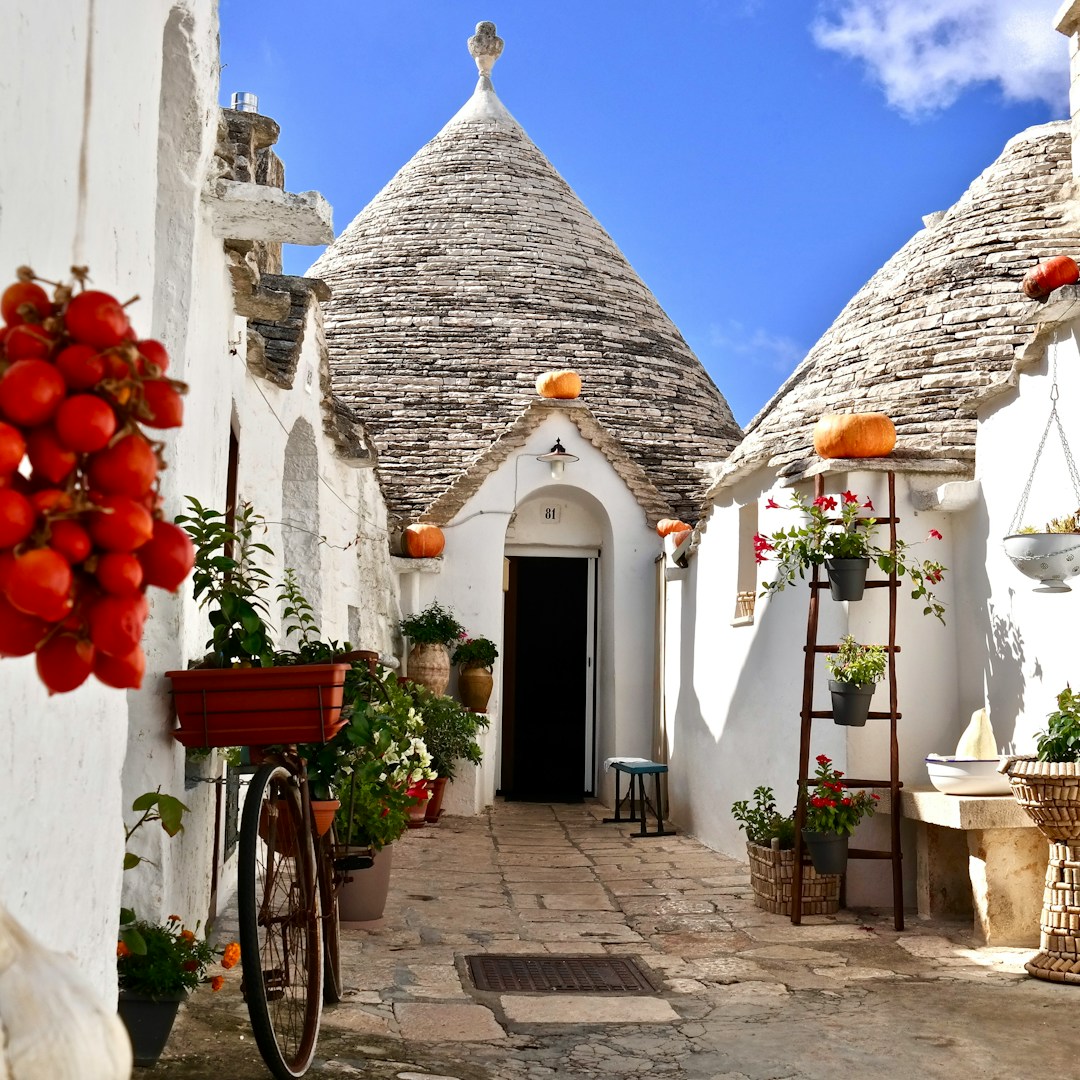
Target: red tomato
(162, 405)
(16, 517)
(64, 662)
(116, 624)
(168, 557)
(97, 319)
(154, 355)
(30, 392)
(19, 633)
(39, 583)
(49, 458)
(120, 524)
(85, 423)
(50, 500)
(128, 467)
(82, 366)
(20, 293)
(12, 448)
(70, 539)
(121, 672)
(119, 573)
(28, 342)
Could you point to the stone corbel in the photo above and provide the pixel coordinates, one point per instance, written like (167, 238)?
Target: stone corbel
(242, 211)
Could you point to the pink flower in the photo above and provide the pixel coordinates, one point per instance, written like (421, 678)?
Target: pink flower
(933, 533)
(772, 504)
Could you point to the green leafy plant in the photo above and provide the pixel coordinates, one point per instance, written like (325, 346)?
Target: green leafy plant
(1061, 740)
(173, 959)
(229, 582)
(762, 822)
(475, 652)
(449, 730)
(830, 809)
(855, 663)
(298, 619)
(823, 536)
(435, 625)
(1068, 524)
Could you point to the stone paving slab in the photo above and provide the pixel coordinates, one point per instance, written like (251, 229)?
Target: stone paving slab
(586, 1009)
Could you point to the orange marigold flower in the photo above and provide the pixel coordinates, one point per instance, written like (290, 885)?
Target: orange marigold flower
(230, 956)
(187, 936)
(122, 950)
(175, 918)
(217, 982)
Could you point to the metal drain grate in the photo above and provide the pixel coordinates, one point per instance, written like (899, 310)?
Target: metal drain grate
(558, 974)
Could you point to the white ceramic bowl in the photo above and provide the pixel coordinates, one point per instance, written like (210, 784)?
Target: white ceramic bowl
(967, 776)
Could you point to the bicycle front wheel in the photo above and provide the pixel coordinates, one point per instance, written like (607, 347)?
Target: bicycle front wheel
(331, 929)
(280, 929)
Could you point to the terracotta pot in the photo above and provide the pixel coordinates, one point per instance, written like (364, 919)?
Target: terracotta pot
(474, 687)
(362, 897)
(429, 665)
(258, 706)
(418, 810)
(149, 1022)
(323, 810)
(434, 804)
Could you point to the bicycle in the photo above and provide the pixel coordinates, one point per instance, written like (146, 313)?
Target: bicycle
(288, 914)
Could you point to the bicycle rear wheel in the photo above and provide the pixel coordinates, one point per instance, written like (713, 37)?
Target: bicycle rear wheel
(331, 929)
(280, 929)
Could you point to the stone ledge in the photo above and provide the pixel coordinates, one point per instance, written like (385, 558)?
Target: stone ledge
(403, 565)
(963, 811)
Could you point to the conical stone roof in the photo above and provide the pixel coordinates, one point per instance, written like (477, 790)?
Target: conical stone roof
(474, 270)
(935, 332)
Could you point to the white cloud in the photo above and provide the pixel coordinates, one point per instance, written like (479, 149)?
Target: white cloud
(925, 53)
(771, 351)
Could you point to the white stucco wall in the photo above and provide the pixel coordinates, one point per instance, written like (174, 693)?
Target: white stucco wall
(598, 512)
(734, 693)
(70, 764)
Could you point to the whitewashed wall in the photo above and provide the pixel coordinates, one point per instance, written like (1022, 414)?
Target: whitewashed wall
(598, 512)
(734, 692)
(71, 764)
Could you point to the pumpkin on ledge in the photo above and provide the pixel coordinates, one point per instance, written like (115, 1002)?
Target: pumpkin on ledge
(559, 384)
(854, 435)
(423, 541)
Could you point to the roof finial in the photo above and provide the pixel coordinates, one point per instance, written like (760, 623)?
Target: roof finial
(485, 47)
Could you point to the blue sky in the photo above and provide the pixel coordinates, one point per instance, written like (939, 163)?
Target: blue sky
(756, 160)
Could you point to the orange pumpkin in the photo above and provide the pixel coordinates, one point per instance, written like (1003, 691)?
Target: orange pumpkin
(670, 525)
(424, 541)
(854, 435)
(559, 384)
(680, 535)
(1043, 279)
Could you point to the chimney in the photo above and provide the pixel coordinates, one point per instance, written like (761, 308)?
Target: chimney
(1068, 23)
(244, 102)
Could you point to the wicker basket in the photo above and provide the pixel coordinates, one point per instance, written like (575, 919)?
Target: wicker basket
(771, 871)
(1049, 792)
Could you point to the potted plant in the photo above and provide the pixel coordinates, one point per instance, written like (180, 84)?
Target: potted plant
(429, 632)
(831, 817)
(844, 546)
(474, 657)
(770, 842)
(450, 730)
(1047, 786)
(244, 691)
(1049, 556)
(855, 670)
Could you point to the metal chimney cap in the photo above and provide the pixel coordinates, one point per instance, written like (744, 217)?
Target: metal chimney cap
(244, 102)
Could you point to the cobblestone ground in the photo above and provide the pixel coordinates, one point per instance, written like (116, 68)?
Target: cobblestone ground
(743, 994)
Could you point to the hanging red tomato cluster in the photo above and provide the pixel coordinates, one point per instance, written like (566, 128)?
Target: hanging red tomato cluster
(81, 532)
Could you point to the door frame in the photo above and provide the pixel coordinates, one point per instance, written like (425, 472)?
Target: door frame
(592, 635)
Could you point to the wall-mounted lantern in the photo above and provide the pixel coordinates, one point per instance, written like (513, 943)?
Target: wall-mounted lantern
(558, 457)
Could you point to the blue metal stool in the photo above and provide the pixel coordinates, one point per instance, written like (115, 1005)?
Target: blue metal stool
(639, 768)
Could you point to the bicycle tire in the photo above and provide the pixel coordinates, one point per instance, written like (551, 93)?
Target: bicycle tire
(280, 930)
(331, 924)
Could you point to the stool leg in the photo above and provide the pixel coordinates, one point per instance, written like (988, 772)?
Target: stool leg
(618, 816)
(641, 790)
(659, 805)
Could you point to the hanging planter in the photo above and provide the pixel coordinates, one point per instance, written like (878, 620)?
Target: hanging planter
(850, 702)
(855, 669)
(828, 851)
(847, 578)
(1047, 557)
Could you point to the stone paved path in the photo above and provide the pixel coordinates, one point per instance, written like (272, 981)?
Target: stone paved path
(744, 994)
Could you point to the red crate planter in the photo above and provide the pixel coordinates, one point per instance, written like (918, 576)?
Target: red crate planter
(258, 706)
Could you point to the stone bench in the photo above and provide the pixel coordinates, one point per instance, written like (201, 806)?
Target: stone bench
(979, 855)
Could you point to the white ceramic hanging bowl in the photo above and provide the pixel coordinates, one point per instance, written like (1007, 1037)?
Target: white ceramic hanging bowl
(1049, 558)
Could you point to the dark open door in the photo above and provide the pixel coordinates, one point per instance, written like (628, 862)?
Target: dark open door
(545, 700)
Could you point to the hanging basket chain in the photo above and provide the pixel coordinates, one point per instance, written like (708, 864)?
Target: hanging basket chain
(1053, 420)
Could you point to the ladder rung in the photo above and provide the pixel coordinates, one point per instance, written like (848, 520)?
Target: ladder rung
(822, 714)
(888, 584)
(858, 783)
(836, 648)
(864, 853)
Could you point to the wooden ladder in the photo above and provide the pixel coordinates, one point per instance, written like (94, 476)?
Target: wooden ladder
(810, 714)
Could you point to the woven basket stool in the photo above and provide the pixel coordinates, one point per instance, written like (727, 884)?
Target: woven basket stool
(1049, 792)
